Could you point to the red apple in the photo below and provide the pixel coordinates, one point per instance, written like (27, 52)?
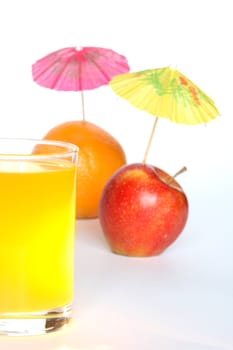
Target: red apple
(142, 210)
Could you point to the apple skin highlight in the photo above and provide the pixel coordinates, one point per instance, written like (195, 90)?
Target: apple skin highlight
(142, 210)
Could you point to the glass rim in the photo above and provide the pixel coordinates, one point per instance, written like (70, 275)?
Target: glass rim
(69, 149)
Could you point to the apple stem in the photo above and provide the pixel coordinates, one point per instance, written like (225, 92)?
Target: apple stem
(182, 170)
(150, 140)
(83, 109)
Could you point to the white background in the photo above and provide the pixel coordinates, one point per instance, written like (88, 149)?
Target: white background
(193, 279)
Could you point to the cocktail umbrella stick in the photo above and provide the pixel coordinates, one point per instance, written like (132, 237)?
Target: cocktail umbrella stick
(83, 109)
(183, 169)
(150, 140)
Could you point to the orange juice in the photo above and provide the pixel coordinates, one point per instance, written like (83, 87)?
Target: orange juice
(37, 219)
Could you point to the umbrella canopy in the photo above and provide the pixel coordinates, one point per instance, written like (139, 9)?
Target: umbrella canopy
(73, 69)
(165, 92)
(78, 69)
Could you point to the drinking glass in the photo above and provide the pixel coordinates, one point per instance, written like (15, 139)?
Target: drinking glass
(37, 235)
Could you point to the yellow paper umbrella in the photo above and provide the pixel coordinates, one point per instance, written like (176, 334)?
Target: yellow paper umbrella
(166, 93)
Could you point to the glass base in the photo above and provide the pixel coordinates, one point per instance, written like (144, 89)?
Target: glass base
(23, 324)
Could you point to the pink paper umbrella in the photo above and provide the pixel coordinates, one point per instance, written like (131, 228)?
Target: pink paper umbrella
(78, 69)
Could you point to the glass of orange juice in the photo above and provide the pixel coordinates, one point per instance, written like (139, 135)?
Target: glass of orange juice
(37, 234)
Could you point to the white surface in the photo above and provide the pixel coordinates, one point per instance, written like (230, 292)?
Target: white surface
(182, 299)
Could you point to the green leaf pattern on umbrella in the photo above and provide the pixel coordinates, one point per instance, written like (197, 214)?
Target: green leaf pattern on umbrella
(181, 88)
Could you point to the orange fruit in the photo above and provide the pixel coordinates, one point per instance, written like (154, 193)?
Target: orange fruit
(100, 155)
